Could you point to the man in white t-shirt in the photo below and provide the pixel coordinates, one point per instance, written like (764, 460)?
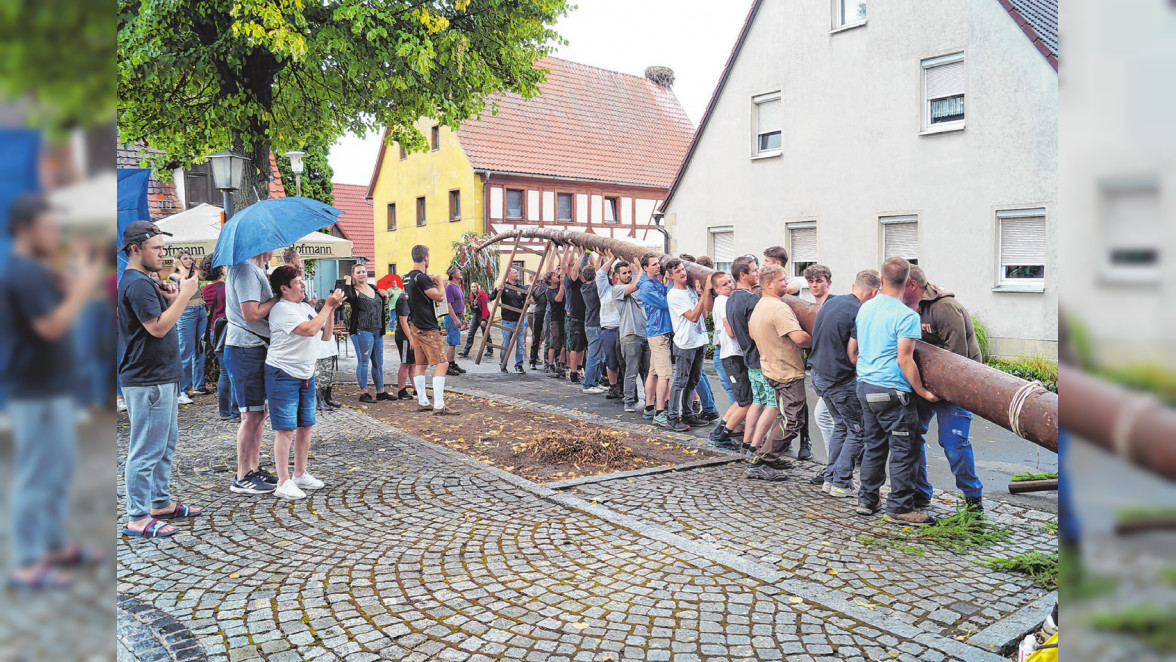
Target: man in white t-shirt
(727, 347)
(686, 309)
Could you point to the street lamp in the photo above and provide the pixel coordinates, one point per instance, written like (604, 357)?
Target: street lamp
(227, 170)
(296, 165)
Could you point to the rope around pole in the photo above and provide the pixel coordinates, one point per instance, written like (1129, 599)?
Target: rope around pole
(1018, 402)
(1136, 405)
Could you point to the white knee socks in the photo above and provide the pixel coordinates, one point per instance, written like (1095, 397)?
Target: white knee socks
(439, 392)
(418, 383)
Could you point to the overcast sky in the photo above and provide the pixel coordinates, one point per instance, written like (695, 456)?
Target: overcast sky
(691, 37)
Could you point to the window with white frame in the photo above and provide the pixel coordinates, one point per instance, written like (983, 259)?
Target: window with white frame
(900, 237)
(943, 91)
(802, 246)
(722, 248)
(1132, 231)
(1022, 248)
(848, 12)
(769, 117)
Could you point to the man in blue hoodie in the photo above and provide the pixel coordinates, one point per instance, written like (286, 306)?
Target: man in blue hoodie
(652, 289)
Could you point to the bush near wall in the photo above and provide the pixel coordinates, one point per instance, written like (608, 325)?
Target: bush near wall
(1142, 377)
(1029, 368)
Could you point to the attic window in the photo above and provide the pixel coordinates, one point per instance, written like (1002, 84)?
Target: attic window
(403, 153)
(563, 207)
(514, 203)
(768, 117)
(610, 210)
(435, 139)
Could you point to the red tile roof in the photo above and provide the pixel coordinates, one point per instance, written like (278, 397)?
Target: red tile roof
(276, 190)
(587, 123)
(162, 200)
(1038, 19)
(357, 222)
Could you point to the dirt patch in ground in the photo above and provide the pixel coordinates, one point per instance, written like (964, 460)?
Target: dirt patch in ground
(537, 446)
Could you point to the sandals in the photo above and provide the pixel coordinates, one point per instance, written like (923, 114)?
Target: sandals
(182, 510)
(154, 530)
(45, 579)
(77, 557)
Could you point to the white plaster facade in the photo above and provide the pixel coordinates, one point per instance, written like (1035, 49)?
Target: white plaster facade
(854, 149)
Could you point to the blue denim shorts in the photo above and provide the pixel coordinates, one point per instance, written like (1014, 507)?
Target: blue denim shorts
(247, 372)
(291, 400)
(452, 332)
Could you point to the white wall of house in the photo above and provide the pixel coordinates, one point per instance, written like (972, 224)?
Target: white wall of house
(1118, 179)
(853, 111)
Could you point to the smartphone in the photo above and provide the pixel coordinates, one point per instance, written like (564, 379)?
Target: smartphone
(339, 284)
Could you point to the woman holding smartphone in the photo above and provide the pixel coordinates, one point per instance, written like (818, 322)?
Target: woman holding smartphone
(192, 326)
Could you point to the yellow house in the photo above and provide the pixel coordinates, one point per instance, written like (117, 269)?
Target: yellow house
(595, 151)
(431, 198)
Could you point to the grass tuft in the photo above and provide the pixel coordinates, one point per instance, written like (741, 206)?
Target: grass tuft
(1042, 567)
(1156, 626)
(1029, 475)
(960, 533)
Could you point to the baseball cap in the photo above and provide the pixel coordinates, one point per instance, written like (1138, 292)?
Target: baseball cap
(140, 230)
(26, 208)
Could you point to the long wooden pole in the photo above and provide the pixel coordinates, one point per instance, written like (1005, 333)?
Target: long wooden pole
(1013, 403)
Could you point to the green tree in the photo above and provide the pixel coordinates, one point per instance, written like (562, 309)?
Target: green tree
(479, 267)
(197, 76)
(56, 56)
(316, 174)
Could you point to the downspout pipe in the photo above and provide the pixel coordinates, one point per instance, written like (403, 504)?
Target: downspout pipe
(657, 224)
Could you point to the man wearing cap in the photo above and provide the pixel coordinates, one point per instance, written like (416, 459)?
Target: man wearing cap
(248, 300)
(150, 374)
(38, 359)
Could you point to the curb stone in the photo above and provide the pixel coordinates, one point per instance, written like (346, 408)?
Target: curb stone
(1003, 635)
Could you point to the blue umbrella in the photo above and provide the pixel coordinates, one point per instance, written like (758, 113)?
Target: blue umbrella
(269, 225)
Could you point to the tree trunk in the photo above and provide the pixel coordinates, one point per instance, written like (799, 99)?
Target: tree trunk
(256, 178)
(974, 386)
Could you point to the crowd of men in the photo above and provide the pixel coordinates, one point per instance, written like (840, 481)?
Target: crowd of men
(637, 333)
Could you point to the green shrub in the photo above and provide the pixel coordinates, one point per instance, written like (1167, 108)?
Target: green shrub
(982, 339)
(1143, 377)
(1030, 368)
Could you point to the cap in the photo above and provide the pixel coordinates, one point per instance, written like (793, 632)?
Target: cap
(140, 230)
(26, 208)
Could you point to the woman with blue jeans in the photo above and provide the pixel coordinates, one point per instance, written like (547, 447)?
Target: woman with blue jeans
(369, 315)
(192, 326)
(295, 335)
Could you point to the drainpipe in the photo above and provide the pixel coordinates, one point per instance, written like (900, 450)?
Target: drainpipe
(657, 219)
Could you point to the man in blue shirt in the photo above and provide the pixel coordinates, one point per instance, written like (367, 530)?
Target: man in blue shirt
(882, 347)
(652, 290)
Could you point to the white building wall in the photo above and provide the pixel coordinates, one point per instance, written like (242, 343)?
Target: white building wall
(852, 114)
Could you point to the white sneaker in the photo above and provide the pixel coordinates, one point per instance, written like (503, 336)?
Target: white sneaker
(841, 493)
(184, 399)
(826, 487)
(595, 390)
(288, 490)
(120, 404)
(307, 481)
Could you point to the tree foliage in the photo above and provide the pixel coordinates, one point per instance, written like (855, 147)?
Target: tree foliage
(316, 174)
(479, 267)
(197, 76)
(57, 56)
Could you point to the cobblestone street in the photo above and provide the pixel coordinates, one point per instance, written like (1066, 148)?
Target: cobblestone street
(414, 552)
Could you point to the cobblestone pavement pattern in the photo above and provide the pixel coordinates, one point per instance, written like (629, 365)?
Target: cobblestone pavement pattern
(413, 552)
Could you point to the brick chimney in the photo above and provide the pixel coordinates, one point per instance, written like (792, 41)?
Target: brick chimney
(663, 76)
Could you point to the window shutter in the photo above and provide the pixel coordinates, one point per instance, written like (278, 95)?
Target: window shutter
(901, 240)
(768, 116)
(1022, 241)
(1133, 219)
(804, 245)
(723, 246)
(945, 80)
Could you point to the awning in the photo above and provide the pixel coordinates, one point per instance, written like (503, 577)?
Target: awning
(196, 231)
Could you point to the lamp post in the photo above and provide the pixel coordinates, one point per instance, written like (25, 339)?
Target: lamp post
(227, 170)
(296, 166)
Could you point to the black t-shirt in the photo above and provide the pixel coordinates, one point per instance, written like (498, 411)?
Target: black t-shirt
(147, 361)
(32, 366)
(422, 311)
(591, 298)
(556, 309)
(403, 314)
(834, 323)
(739, 307)
(574, 298)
